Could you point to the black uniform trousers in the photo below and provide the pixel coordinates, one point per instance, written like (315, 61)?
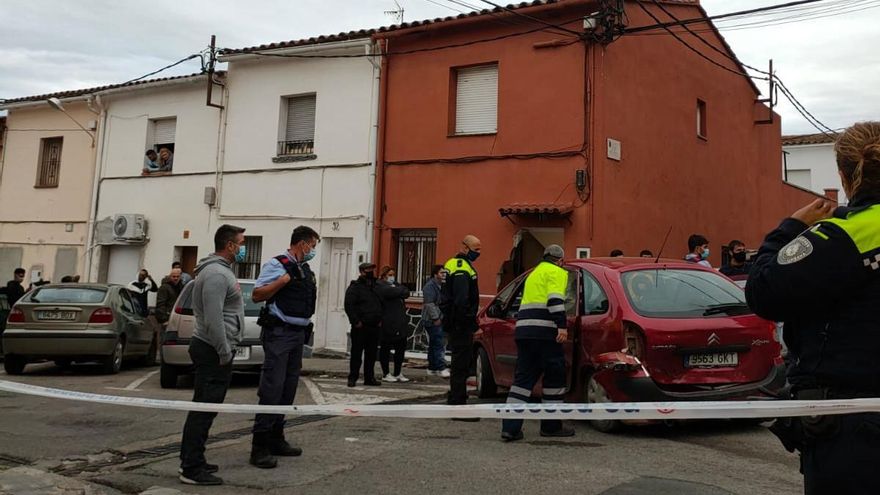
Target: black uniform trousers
(283, 349)
(846, 460)
(364, 346)
(461, 346)
(533, 359)
(210, 385)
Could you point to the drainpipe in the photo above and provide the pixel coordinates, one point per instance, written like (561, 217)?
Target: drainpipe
(96, 188)
(371, 148)
(379, 210)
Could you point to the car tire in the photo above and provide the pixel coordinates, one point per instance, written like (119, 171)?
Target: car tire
(168, 376)
(595, 393)
(113, 363)
(486, 386)
(14, 365)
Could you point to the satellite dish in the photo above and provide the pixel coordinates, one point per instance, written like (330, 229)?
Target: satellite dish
(120, 226)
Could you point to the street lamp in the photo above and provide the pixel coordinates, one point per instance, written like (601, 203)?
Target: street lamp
(57, 105)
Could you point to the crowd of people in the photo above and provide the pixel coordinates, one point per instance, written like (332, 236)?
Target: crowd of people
(736, 262)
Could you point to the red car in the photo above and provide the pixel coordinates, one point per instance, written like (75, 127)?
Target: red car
(644, 331)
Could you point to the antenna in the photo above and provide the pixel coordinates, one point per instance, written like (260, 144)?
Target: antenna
(660, 253)
(397, 14)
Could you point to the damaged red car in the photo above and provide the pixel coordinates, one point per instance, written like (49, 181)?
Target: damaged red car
(643, 331)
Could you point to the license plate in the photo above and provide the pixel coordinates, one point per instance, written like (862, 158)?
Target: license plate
(56, 315)
(241, 354)
(722, 359)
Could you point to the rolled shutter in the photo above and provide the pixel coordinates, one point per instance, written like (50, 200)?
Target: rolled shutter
(301, 118)
(476, 100)
(164, 130)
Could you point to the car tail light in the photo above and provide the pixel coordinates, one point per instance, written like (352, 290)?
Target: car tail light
(102, 316)
(16, 316)
(183, 311)
(634, 339)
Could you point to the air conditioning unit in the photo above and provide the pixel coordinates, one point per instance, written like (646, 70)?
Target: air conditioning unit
(129, 227)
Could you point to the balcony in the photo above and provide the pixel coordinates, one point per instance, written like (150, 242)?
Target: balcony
(295, 151)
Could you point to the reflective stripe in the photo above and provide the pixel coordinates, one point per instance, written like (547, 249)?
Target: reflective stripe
(555, 295)
(542, 305)
(555, 391)
(861, 227)
(535, 323)
(557, 308)
(520, 391)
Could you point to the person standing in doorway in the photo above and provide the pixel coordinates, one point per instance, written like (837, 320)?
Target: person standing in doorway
(219, 322)
(363, 307)
(394, 324)
(290, 290)
(185, 278)
(432, 321)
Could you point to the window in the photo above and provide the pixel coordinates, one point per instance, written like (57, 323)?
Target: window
(595, 300)
(50, 162)
(416, 254)
(476, 100)
(161, 142)
(299, 127)
(701, 119)
(582, 253)
(250, 267)
(683, 294)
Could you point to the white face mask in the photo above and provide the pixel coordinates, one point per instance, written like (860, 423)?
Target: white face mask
(392, 280)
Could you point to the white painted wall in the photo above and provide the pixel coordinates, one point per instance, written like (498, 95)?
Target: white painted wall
(819, 160)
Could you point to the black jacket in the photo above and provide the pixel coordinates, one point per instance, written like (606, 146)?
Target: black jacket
(460, 296)
(14, 292)
(395, 324)
(362, 303)
(165, 300)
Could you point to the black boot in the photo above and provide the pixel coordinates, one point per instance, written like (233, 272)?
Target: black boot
(261, 457)
(279, 446)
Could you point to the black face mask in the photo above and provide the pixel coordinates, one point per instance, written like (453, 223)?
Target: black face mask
(370, 275)
(740, 257)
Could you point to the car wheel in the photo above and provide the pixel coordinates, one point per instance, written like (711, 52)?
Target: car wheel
(594, 394)
(113, 362)
(14, 365)
(486, 386)
(168, 376)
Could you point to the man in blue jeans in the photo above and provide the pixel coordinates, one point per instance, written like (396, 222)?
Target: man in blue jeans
(432, 320)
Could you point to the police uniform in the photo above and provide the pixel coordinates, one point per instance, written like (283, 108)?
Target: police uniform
(285, 330)
(541, 315)
(823, 282)
(460, 306)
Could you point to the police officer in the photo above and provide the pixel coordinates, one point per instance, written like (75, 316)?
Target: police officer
(541, 328)
(287, 284)
(819, 272)
(460, 305)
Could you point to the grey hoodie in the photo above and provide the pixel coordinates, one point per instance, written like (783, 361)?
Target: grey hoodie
(218, 306)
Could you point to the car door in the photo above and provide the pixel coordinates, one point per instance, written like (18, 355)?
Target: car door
(572, 310)
(498, 327)
(133, 324)
(597, 331)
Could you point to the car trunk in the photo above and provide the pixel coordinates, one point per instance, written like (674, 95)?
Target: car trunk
(38, 316)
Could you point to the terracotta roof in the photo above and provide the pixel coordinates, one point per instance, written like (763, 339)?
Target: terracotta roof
(535, 209)
(800, 139)
(80, 92)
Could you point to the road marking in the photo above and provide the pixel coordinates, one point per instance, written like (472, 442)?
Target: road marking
(137, 383)
(314, 391)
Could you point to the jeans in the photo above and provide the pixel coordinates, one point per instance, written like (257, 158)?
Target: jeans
(534, 358)
(210, 385)
(399, 348)
(283, 347)
(364, 344)
(436, 349)
(461, 343)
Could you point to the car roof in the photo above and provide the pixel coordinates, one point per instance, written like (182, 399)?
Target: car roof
(623, 263)
(78, 285)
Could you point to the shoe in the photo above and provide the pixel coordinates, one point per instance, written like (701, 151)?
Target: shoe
(201, 478)
(283, 449)
(433, 373)
(260, 455)
(445, 373)
(389, 378)
(402, 379)
(511, 437)
(208, 468)
(351, 383)
(467, 420)
(373, 383)
(562, 432)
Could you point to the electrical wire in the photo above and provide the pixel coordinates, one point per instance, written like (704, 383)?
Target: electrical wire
(535, 19)
(692, 20)
(190, 57)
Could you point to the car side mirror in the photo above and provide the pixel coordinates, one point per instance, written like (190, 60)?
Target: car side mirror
(494, 310)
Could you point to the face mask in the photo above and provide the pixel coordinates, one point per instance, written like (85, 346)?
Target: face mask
(392, 280)
(472, 255)
(241, 254)
(309, 256)
(740, 257)
(705, 253)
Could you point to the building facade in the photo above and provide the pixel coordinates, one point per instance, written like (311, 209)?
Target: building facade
(808, 161)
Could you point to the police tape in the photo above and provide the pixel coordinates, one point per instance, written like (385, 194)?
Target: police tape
(596, 411)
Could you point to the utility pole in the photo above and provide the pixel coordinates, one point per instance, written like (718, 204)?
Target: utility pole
(212, 61)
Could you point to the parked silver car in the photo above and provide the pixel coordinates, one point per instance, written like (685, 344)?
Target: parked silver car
(78, 322)
(175, 343)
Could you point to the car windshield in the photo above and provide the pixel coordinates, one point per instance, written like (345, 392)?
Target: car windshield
(67, 295)
(660, 293)
(251, 309)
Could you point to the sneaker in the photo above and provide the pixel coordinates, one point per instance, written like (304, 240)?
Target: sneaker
(389, 378)
(433, 373)
(445, 373)
(511, 437)
(562, 432)
(401, 378)
(201, 478)
(208, 468)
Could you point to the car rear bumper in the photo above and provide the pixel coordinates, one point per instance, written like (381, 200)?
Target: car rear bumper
(177, 354)
(59, 343)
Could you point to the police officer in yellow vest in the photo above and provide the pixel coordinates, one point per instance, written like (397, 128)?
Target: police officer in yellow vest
(541, 328)
(819, 273)
(460, 303)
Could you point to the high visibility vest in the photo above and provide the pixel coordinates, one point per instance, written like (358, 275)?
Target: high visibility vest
(542, 310)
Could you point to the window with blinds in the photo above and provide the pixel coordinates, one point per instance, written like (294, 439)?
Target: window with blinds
(416, 254)
(163, 132)
(299, 131)
(250, 267)
(50, 162)
(476, 100)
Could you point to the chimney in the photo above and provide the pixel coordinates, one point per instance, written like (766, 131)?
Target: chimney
(831, 194)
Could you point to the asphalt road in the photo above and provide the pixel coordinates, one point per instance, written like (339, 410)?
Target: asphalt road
(134, 449)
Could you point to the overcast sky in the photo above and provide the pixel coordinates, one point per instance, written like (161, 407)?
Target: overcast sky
(832, 65)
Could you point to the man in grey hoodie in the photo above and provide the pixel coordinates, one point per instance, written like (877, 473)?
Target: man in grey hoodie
(219, 322)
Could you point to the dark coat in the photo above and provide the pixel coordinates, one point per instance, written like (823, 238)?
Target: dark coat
(395, 323)
(362, 304)
(165, 300)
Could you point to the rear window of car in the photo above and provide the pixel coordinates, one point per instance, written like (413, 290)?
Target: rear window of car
(247, 290)
(683, 294)
(67, 295)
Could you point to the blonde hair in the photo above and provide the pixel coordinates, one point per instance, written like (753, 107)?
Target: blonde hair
(858, 156)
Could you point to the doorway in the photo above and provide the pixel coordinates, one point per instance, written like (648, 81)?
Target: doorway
(188, 256)
(527, 252)
(336, 273)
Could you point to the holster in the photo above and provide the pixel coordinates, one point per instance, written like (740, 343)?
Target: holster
(267, 319)
(796, 433)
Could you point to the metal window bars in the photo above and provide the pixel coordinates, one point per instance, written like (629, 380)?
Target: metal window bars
(50, 162)
(416, 254)
(250, 267)
(302, 147)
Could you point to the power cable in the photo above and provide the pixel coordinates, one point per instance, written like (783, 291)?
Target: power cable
(190, 57)
(446, 6)
(535, 19)
(693, 20)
